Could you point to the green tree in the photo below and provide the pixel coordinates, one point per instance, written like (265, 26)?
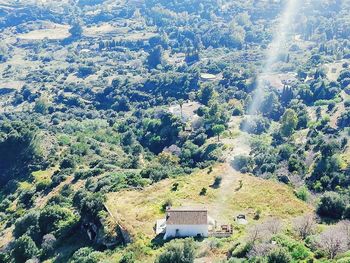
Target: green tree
(76, 30)
(40, 106)
(206, 94)
(89, 204)
(24, 249)
(57, 220)
(218, 129)
(289, 122)
(155, 57)
(331, 205)
(29, 225)
(48, 245)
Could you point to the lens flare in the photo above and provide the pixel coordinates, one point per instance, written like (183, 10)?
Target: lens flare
(278, 43)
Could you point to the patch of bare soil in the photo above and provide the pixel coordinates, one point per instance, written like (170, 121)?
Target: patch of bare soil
(236, 146)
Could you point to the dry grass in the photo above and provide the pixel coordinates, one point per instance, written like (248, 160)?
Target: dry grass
(43, 175)
(138, 210)
(103, 29)
(50, 31)
(334, 69)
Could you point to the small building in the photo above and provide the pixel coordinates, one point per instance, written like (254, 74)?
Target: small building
(184, 222)
(206, 77)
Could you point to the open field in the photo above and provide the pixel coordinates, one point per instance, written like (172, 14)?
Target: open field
(102, 29)
(334, 69)
(139, 209)
(52, 32)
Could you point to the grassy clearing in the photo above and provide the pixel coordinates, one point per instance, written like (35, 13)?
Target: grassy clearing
(138, 210)
(334, 69)
(43, 175)
(53, 31)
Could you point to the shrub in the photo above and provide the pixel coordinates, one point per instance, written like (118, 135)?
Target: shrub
(178, 251)
(256, 125)
(40, 106)
(27, 197)
(89, 204)
(257, 214)
(331, 205)
(43, 184)
(86, 255)
(166, 204)
(57, 220)
(67, 162)
(303, 193)
(241, 250)
(28, 224)
(217, 181)
(24, 249)
(128, 258)
(243, 163)
(296, 249)
(279, 255)
(4, 257)
(48, 244)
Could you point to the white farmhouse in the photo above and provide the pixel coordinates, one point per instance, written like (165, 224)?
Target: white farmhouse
(184, 222)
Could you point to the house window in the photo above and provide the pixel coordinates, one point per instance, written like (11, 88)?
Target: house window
(177, 232)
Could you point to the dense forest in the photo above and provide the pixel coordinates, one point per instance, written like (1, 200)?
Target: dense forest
(111, 111)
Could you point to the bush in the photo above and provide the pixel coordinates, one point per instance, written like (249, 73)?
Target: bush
(48, 244)
(24, 249)
(243, 163)
(279, 256)
(256, 125)
(29, 225)
(128, 258)
(57, 220)
(40, 106)
(240, 250)
(85, 71)
(331, 205)
(296, 249)
(178, 251)
(27, 197)
(217, 181)
(89, 204)
(86, 255)
(203, 191)
(67, 162)
(76, 30)
(166, 204)
(303, 193)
